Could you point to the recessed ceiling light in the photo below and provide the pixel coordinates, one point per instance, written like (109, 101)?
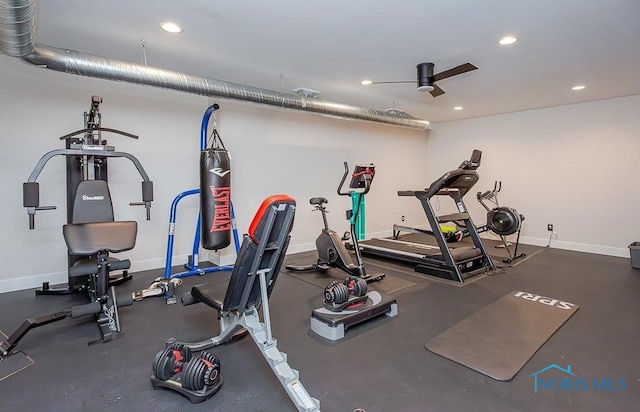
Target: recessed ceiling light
(366, 82)
(507, 40)
(579, 87)
(458, 108)
(171, 27)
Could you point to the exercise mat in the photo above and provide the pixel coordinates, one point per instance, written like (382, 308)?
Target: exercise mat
(500, 338)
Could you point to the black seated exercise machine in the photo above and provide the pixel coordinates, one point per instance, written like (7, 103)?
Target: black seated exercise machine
(91, 233)
(252, 280)
(93, 240)
(330, 246)
(457, 264)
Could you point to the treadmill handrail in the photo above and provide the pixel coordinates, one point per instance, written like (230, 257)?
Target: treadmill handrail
(458, 181)
(417, 193)
(444, 179)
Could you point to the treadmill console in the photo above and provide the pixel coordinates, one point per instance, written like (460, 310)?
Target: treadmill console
(473, 163)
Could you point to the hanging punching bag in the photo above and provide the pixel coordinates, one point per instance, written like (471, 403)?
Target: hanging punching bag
(215, 195)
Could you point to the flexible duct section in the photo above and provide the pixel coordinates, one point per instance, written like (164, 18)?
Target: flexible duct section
(17, 39)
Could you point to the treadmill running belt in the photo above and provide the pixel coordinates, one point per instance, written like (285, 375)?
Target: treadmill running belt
(417, 248)
(500, 338)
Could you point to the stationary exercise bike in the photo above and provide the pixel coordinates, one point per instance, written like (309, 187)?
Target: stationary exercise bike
(330, 246)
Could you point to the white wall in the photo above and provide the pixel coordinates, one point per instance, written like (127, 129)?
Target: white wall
(273, 151)
(301, 154)
(573, 166)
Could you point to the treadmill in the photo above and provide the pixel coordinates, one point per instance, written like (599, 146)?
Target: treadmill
(457, 264)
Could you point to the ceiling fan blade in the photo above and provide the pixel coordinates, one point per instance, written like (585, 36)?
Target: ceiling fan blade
(436, 91)
(463, 68)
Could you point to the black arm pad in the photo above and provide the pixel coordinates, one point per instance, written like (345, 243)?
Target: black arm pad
(31, 194)
(147, 191)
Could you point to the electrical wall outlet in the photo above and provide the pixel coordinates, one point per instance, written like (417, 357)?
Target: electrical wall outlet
(402, 219)
(550, 227)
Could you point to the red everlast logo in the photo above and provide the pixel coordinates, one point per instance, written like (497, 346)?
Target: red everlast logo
(221, 214)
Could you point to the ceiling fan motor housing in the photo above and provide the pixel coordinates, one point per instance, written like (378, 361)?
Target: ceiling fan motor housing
(425, 77)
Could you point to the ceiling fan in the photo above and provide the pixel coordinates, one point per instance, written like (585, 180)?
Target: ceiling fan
(426, 78)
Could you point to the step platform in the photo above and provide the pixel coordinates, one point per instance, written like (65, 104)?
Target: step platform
(333, 325)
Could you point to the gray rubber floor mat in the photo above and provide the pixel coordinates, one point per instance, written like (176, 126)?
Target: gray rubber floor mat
(321, 278)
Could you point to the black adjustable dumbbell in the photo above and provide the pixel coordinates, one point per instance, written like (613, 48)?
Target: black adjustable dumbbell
(201, 372)
(171, 360)
(337, 293)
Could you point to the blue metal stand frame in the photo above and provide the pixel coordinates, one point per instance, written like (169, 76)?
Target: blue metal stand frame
(193, 267)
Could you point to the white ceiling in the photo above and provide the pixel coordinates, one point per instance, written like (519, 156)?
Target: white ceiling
(331, 45)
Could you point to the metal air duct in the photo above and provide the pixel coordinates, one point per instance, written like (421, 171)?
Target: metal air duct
(17, 39)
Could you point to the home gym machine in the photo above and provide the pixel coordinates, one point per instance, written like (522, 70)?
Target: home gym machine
(252, 280)
(86, 156)
(216, 209)
(91, 233)
(456, 264)
(330, 246)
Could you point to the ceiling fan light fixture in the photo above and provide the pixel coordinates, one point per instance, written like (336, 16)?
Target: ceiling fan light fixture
(425, 77)
(366, 82)
(507, 40)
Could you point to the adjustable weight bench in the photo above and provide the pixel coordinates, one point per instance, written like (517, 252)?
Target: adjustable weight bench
(253, 277)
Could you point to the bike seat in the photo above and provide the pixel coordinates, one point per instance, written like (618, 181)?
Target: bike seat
(318, 200)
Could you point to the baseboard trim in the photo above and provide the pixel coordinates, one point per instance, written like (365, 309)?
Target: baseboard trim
(577, 247)
(32, 282)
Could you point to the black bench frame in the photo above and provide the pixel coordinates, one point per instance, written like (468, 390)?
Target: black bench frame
(252, 280)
